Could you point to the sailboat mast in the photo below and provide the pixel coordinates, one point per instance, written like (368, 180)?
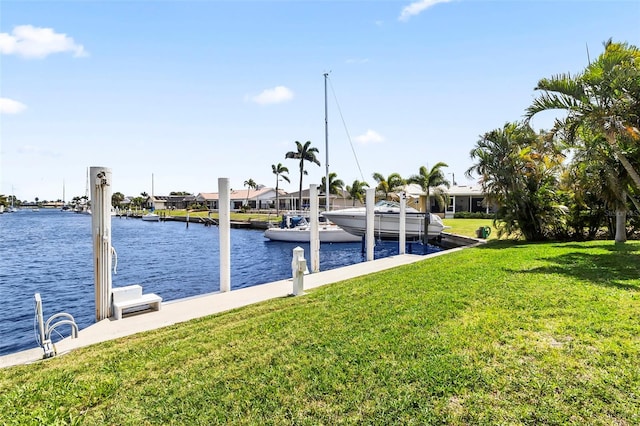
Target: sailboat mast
(326, 143)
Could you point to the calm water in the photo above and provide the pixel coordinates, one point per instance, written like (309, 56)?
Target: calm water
(49, 252)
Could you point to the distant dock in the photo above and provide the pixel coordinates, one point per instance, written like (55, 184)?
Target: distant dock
(206, 221)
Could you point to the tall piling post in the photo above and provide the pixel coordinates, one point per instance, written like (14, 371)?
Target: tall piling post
(100, 184)
(314, 229)
(224, 227)
(370, 232)
(402, 237)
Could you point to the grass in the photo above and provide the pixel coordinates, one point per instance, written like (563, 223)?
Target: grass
(468, 227)
(508, 333)
(234, 215)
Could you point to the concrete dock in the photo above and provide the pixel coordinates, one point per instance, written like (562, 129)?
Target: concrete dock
(177, 311)
(182, 310)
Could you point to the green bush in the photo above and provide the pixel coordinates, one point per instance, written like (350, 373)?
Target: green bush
(474, 215)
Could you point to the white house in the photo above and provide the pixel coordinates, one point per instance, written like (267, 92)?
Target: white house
(462, 198)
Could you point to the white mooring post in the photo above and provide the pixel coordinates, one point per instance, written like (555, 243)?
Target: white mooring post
(314, 236)
(402, 238)
(370, 200)
(298, 268)
(224, 227)
(100, 184)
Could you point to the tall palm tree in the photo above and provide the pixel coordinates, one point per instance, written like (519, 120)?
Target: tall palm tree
(605, 98)
(435, 179)
(279, 170)
(388, 185)
(304, 152)
(357, 191)
(335, 185)
(250, 184)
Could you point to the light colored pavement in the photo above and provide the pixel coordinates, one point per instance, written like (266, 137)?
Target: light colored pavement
(187, 309)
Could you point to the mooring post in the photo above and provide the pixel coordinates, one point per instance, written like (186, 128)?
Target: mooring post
(224, 226)
(298, 268)
(314, 232)
(402, 241)
(370, 200)
(100, 183)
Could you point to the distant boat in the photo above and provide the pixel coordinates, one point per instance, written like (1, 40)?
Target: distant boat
(151, 217)
(387, 221)
(35, 209)
(296, 228)
(12, 208)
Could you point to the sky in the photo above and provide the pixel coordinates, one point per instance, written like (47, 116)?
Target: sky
(172, 95)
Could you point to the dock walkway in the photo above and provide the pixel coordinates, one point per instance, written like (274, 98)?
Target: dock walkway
(177, 311)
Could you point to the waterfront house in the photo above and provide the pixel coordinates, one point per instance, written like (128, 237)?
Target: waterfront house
(171, 202)
(462, 198)
(336, 202)
(256, 199)
(208, 199)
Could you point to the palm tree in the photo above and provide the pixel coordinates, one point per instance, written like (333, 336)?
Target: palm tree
(335, 185)
(279, 170)
(518, 171)
(304, 153)
(433, 178)
(388, 185)
(598, 184)
(357, 191)
(605, 99)
(250, 184)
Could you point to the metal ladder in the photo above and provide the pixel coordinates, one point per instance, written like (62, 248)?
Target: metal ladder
(45, 328)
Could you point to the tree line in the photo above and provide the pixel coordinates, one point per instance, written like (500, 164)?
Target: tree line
(580, 176)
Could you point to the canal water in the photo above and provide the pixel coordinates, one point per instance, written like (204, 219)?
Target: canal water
(50, 252)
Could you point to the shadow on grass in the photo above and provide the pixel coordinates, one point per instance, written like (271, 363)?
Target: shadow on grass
(605, 245)
(619, 268)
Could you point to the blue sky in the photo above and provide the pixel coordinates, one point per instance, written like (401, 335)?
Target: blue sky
(190, 91)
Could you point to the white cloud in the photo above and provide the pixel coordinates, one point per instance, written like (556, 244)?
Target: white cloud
(276, 95)
(32, 42)
(418, 7)
(9, 106)
(368, 137)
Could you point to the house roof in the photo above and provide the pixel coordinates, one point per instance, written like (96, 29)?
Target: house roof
(207, 196)
(250, 192)
(239, 194)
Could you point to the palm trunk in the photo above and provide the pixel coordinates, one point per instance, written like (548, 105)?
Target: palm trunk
(277, 201)
(621, 220)
(300, 191)
(635, 203)
(611, 139)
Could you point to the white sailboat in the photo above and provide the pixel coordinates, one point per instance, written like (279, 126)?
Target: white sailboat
(12, 207)
(151, 216)
(300, 230)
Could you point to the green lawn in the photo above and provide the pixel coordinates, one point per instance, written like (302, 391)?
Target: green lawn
(234, 215)
(468, 227)
(506, 333)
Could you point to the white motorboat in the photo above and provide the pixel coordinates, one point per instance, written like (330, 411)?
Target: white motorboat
(151, 217)
(297, 229)
(387, 221)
